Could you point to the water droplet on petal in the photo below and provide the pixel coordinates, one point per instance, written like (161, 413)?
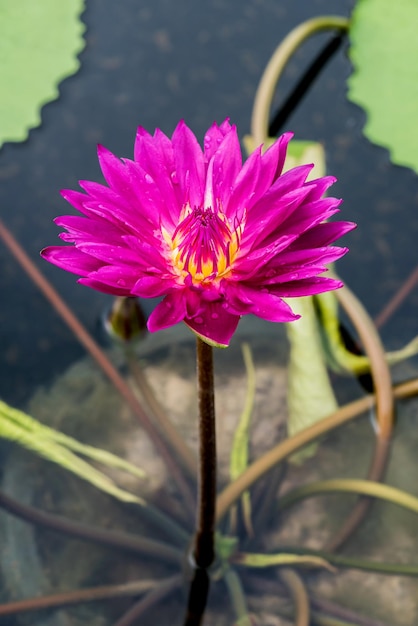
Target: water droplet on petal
(198, 320)
(271, 273)
(174, 178)
(121, 282)
(149, 178)
(214, 316)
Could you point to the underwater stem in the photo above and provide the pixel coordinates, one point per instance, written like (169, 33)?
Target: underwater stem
(80, 596)
(297, 589)
(237, 597)
(111, 538)
(160, 591)
(385, 410)
(282, 450)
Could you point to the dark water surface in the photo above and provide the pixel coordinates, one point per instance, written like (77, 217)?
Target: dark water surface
(153, 63)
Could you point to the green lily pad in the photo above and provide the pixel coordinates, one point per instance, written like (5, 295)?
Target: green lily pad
(384, 53)
(39, 43)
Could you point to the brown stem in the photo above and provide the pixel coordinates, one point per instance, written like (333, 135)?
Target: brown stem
(395, 302)
(160, 591)
(384, 409)
(297, 590)
(164, 424)
(374, 349)
(204, 549)
(101, 359)
(80, 596)
(204, 541)
(110, 538)
(284, 449)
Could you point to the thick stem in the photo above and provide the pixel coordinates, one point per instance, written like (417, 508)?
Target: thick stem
(204, 547)
(204, 541)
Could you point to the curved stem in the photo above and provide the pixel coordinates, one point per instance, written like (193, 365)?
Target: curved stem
(110, 538)
(297, 590)
(276, 65)
(385, 409)
(80, 596)
(101, 359)
(378, 567)
(378, 364)
(281, 451)
(357, 486)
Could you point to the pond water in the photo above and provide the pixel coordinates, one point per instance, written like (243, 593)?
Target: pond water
(152, 63)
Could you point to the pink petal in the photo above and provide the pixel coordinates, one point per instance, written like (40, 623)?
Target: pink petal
(308, 287)
(190, 165)
(70, 259)
(244, 300)
(214, 324)
(226, 163)
(214, 137)
(169, 312)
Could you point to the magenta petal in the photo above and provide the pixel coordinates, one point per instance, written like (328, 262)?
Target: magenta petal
(152, 286)
(169, 312)
(70, 259)
(308, 287)
(190, 165)
(214, 324)
(246, 300)
(227, 162)
(214, 137)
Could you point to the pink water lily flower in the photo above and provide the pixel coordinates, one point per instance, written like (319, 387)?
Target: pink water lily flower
(217, 238)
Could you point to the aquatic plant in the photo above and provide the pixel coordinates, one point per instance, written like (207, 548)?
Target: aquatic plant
(218, 240)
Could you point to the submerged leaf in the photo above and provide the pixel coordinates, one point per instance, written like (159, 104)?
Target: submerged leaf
(384, 52)
(22, 429)
(39, 43)
(274, 560)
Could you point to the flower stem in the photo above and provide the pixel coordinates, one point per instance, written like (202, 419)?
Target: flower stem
(204, 541)
(204, 547)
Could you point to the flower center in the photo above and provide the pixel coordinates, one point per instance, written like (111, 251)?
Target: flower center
(203, 245)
